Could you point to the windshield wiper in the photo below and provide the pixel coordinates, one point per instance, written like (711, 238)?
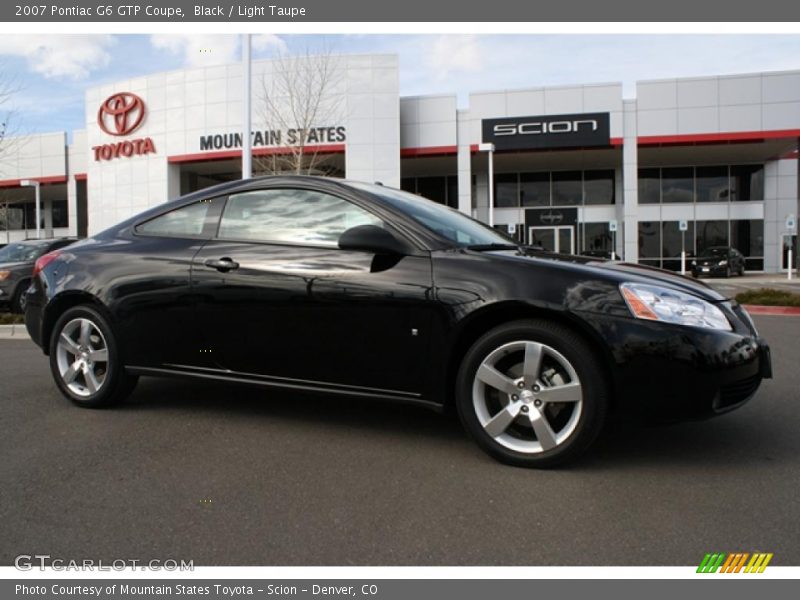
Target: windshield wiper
(487, 247)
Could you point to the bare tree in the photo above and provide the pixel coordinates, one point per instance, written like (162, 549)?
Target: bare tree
(7, 143)
(301, 104)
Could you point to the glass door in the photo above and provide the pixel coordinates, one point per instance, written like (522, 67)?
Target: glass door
(554, 239)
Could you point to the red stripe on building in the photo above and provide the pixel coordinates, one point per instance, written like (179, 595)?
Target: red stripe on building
(428, 151)
(42, 180)
(227, 154)
(717, 138)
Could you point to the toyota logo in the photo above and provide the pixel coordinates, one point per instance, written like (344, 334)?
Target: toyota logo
(121, 113)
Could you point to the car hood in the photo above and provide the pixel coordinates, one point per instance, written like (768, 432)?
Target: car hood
(621, 272)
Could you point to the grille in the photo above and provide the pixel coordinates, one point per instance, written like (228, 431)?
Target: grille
(737, 392)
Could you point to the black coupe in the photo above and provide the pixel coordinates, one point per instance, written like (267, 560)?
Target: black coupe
(348, 288)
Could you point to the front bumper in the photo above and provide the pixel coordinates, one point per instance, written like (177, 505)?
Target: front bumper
(670, 372)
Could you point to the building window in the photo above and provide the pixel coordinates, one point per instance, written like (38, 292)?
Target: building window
(60, 213)
(702, 184)
(712, 184)
(650, 240)
(442, 189)
(673, 239)
(596, 236)
(506, 190)
(710, 234)
(747, 182)
(747, 236)
(433, 188)
(534, 189)
(598, 187)
(557, 188)
(567, 188)
(677, 184)
(649, 186)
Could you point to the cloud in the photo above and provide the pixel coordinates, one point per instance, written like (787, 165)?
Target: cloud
(60, 56)
(266, 41)
(199, 50)
(453, 53)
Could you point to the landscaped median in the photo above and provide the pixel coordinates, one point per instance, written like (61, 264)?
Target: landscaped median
(769, 301)
(12, 327)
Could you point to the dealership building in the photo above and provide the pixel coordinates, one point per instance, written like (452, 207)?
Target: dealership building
(685, 164)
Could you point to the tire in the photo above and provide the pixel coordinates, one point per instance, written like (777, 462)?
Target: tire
(501, 416)
(20, 299)
(87, 368)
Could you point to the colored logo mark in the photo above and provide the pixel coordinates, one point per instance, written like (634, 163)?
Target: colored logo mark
(121, 113)
(734, 563)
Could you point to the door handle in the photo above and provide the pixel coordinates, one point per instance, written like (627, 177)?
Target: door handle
(223, 265)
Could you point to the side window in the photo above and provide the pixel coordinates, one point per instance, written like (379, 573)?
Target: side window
(185, 221)
(291, 215)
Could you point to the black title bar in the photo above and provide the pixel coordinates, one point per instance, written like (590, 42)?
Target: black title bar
(337, 11)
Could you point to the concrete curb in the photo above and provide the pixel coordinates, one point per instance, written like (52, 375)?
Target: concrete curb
(14, 332)
(774, 311)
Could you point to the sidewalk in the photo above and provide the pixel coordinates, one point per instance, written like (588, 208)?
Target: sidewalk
(13, 332)
(734, 285)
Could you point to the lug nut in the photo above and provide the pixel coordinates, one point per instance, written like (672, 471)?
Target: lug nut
(521, 384)
(537, 402)
(514, 397)
(536, 388)
(524, 409)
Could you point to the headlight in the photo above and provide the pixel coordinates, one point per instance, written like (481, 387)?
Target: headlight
(722, 263)
(4, 275)
(670, 306)
(694, 263)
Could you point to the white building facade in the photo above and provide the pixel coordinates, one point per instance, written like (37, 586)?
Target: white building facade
(685, 165)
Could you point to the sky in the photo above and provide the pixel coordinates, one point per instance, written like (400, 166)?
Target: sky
(48, 74)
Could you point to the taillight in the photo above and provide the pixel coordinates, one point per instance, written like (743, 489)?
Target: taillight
(44, 260)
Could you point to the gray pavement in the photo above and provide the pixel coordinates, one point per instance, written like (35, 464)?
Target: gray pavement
(236, 476)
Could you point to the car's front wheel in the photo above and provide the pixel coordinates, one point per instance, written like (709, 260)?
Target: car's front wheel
(532, 394)
(20, 299)
(85, 360)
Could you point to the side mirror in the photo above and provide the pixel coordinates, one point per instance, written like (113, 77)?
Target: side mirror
(370, 238)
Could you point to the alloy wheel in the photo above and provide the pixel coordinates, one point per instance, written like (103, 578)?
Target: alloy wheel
(527, 397)
(82, 357)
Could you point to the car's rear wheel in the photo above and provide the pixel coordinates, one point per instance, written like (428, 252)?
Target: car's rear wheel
(85, 360)
(532, 394)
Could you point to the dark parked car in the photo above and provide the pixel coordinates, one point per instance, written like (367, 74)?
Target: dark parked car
(16, 264)
(355, 289)
(719, 261)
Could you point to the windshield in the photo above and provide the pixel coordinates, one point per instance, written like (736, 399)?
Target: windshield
(718, 251)
(448, 223)
(21, 252)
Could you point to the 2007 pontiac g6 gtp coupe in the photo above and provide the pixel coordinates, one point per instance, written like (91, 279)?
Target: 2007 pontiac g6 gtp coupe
(355, 289)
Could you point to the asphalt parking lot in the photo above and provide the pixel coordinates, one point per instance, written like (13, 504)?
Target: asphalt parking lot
(236, 476)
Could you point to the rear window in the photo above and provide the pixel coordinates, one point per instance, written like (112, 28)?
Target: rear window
(186, 221)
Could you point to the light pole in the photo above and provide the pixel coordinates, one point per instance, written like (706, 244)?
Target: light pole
(488, 147)
(35, 185)
(247, 150)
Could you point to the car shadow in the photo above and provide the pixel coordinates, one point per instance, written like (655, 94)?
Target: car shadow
(730, 441)
(243, 401)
